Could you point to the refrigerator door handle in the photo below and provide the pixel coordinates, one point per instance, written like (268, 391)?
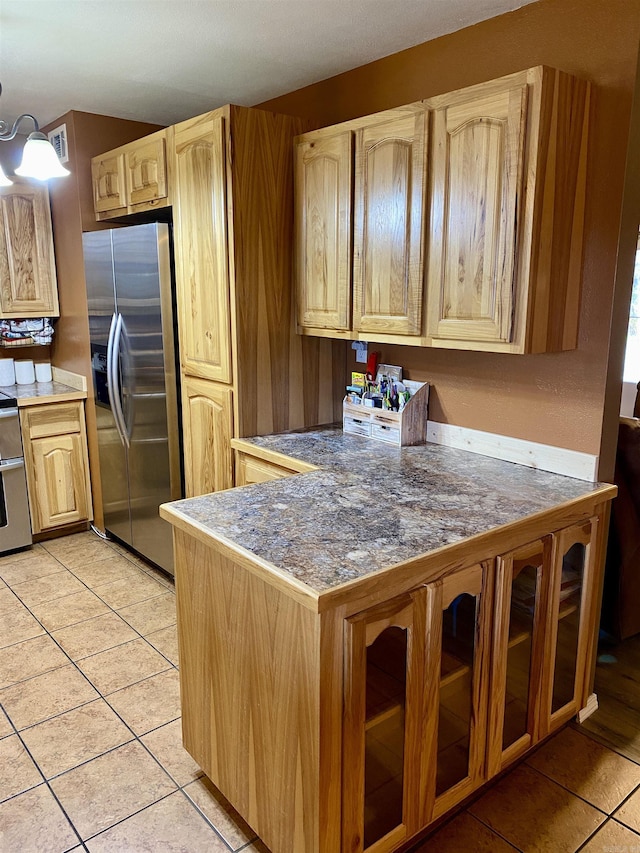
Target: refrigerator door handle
(110, 380)
(113, 379)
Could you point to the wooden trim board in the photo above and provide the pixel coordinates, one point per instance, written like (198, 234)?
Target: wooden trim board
(73, 380)
(558, 460)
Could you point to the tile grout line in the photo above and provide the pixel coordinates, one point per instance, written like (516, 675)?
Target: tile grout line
(573, 793)
(489, 827)
(135, 737)
(44, 782)
(48, 632)
(610, 746)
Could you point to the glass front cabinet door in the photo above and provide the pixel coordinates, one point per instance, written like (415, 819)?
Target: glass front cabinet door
(540, 638)
(415, 709)
(570, 624)
(523, 585)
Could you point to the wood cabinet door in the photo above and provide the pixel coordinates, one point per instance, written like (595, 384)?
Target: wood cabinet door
(456, 681)
(57, 464)
(390, 179)
(384, 722)
(207, 422)
(202, 272)
(28, 284)
(109, 184)
(323, 187)
(569, 622)
(523, 584)
(146, 170)
(60, 479)
(477, 155)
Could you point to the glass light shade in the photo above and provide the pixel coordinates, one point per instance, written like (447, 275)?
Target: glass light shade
(39, 159)
(4, 180)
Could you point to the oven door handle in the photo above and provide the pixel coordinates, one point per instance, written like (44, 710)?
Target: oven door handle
(11, 465)
(8, 413)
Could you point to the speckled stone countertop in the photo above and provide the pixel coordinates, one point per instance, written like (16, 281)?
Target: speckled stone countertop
(42, 392)
(371, 506)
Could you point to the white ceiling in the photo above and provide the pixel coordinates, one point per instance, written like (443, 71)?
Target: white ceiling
(165, 60)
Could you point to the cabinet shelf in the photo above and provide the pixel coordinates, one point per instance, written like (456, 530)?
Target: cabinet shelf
(383, 716)
(21, 342)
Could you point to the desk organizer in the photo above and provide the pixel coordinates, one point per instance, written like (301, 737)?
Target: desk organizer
(403, 428)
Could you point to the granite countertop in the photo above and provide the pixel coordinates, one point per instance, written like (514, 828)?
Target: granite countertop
(370, 505)
(42, 392)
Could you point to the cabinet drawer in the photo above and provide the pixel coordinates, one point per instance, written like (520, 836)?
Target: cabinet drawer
(250, 470)
(52, 419)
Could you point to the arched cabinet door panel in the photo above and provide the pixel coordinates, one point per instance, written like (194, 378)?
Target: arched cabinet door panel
(28, 283)
(390, 180)
(202, 264)
(323, 173)
(207, 419)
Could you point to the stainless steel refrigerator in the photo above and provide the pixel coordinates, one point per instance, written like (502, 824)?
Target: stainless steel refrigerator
(133, 354)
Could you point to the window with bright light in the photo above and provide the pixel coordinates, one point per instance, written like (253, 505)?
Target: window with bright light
(632, 355)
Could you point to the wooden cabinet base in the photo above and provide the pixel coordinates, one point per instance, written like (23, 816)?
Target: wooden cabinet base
(56, 460)
(281, 705)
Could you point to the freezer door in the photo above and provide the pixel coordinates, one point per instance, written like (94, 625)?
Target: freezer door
(98, 260)
(147, 362)
(101, 295)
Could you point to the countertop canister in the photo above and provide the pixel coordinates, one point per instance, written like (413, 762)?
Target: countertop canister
(43, 371)
(25, 374)
(7, 372)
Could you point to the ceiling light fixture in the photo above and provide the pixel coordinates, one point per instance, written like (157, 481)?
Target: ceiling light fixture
(39, 159)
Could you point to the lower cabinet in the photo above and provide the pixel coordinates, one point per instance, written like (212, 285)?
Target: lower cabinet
(207, 423)
(351, 721)
(57, 465)
(448, 684)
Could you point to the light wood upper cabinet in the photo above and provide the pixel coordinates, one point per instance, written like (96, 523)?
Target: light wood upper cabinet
(202, 265)
(380, 162)
(107, 177)
(132, 178)
(57, 465)
(146, 170)
(323, 176)
(390, 180)
(469, 236)
(508, 161)
(28, 285)
(477, 165)
(207, 420)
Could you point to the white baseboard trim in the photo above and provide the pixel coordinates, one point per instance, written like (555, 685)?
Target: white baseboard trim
(558, 460)
(590, 708)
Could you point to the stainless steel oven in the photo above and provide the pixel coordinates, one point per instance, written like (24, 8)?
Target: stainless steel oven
(15, 523)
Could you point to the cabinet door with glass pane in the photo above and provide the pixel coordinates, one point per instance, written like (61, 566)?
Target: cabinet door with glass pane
(383, 721)
(569, 623)
(456, 670)
(523, 584)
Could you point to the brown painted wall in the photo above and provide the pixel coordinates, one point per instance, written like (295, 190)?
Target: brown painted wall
(558, 398)
(72, 213)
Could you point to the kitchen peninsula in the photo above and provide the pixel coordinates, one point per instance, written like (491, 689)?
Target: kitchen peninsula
(364, 644)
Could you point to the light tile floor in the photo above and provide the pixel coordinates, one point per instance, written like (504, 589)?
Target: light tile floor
(90, 751)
